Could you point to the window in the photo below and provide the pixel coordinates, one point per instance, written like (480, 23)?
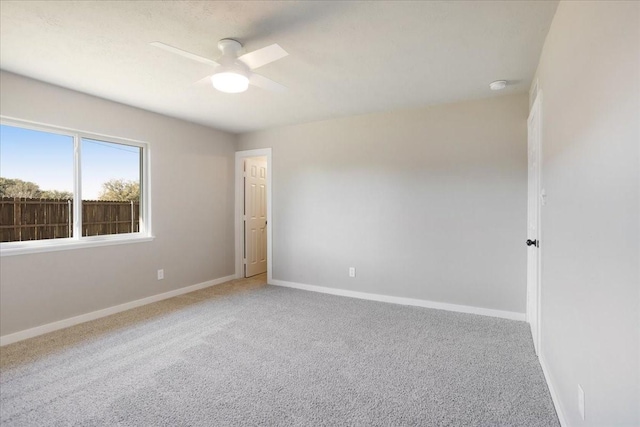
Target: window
(61, 188)
(36, 184)
(110, 187)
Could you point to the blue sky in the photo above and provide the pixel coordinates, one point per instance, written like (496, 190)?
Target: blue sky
(47, 160)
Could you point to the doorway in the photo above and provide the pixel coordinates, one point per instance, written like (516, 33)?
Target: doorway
(534, 202)
(253, 213)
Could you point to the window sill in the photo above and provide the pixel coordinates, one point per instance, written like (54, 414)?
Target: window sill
(31, 247)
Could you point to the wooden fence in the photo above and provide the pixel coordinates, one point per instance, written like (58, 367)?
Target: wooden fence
(36, 219)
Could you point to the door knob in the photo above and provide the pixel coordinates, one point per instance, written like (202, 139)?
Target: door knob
(532, 243)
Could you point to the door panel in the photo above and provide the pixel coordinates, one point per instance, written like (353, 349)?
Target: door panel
(533, 223)
(255, 223)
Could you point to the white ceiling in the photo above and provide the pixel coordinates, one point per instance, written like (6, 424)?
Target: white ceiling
(345, 57)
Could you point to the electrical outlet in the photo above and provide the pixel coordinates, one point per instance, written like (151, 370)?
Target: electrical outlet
(160, 274)
(581, 401)
(352, 272)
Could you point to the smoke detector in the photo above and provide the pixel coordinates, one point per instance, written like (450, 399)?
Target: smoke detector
(498, 85)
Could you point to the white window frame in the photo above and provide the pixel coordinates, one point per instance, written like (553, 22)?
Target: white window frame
(79, 241)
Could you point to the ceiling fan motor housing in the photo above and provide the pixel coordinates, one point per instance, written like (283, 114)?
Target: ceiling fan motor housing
(229, 62)
(230, 46)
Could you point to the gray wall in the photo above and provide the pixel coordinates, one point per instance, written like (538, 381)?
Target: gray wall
(427, 203)
(589, 73)
(192, 200)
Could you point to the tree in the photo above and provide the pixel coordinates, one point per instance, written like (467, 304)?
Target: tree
(30, 190)
(56, 194)
(120, 190)
(19, 188)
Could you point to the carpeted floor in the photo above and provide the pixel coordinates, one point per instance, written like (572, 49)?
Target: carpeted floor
(244, 353)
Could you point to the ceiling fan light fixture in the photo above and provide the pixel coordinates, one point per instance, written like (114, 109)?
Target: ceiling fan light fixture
(234, 72)
(230, 82)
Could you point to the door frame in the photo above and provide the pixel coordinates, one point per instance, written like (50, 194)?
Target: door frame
(536, 108)
(239, 214)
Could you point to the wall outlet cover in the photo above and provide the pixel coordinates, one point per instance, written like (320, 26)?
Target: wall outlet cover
(160, 274)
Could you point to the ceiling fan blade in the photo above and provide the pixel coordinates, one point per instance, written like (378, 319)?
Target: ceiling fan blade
(184, 53)
(265, 83)
(203, 81)
(263, 56)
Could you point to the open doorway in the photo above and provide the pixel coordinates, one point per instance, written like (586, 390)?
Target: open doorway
(253, 213)
(255, 216)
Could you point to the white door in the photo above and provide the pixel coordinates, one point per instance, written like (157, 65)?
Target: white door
(533, 223)
(255, 216)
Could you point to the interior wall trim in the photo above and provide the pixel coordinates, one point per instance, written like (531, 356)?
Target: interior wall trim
(511, 315)
(72, 321)
(552, 391)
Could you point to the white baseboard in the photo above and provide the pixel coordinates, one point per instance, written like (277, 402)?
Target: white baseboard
(552, 391)
(65, 323)
(403, 301)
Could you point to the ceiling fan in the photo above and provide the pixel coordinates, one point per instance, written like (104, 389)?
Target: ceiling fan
(234, 73)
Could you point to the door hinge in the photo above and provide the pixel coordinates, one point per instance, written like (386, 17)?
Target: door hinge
(244, 217)
(244, 261)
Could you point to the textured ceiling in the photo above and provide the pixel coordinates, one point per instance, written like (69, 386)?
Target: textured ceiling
(345, 57)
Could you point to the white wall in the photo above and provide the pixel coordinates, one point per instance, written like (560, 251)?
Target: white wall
(427, 203)
(589, 73)
(192, 200)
